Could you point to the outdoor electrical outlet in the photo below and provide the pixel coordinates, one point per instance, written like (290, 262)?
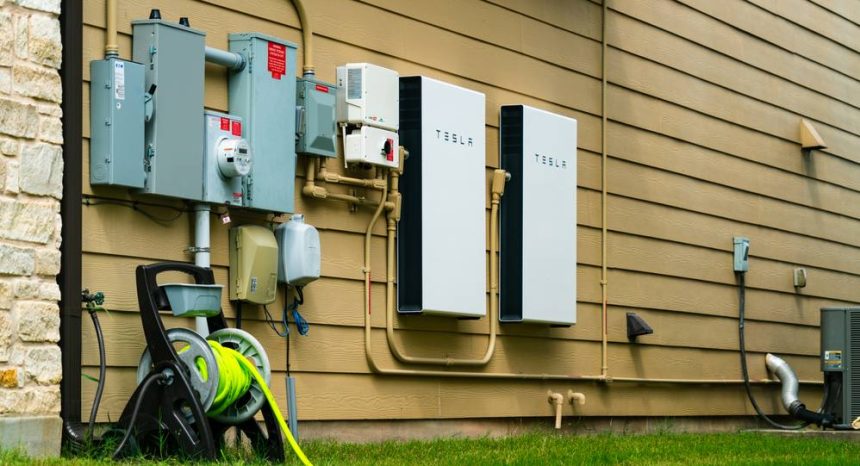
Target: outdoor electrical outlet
(799, 277)
(742, 254)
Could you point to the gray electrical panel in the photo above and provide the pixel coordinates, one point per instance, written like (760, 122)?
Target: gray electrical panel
(316, 108)
(263, 94)
(227, 161)
(840, 360)
(116, 123)
(174, 60)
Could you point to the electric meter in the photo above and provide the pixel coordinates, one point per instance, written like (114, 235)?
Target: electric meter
(234, 157)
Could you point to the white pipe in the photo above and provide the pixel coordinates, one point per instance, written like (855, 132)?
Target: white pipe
(201, 252)
(556, 400)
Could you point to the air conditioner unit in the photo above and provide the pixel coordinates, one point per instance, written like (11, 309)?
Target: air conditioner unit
(840, 361)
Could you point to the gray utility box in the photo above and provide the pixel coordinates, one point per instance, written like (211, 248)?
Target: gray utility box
(116, 123)
(316, 108)
(263, 94)
(228, 159)
(174, 60)
(840, 360)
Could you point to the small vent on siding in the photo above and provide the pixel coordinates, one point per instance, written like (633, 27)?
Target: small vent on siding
(854, 366)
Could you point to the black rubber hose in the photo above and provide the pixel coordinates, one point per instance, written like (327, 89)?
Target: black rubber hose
(102, 373)
(147, 382)
(743, 351)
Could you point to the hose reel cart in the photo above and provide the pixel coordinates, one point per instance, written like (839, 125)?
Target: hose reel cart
(176, 390)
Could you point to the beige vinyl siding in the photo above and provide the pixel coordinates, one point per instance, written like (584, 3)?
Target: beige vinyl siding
(704, 101)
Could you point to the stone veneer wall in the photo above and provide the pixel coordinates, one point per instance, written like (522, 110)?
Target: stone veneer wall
(31, 168)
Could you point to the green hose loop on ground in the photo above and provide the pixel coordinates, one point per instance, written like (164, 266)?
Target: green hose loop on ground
(236, 375)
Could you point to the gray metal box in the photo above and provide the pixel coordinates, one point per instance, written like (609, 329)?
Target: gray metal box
(227, 159)
(840, 358)
(174, 57)
(316, 128)
(116, 123)
(263, 94)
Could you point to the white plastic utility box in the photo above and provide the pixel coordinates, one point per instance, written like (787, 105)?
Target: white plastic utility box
(368, 111)
(368, 95)
(441, 237)
(538, 215)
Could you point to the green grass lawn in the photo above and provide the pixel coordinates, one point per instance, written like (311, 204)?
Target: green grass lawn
(681, 449)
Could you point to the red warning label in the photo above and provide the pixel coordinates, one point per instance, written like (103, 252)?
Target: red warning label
(277, 60)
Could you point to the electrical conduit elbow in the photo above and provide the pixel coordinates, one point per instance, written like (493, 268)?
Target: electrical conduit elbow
(576, 398)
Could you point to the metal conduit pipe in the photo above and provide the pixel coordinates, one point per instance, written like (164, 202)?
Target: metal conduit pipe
(604, 234)
(311, 189)
(372, 183)
(307, 38)
(111, 47)
(202, 256)
(233, 61)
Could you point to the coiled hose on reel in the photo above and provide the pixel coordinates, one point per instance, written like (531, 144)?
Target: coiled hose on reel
(236, 374)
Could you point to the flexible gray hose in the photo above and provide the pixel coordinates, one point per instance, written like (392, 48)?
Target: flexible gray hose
(788, 378)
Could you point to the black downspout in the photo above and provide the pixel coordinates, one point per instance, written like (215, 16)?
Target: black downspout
(71, 72)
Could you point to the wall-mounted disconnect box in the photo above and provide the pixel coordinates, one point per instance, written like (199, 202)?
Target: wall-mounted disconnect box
(263, 94)
(367, 144)
(116, 123)
(538, 217)
(441, 237)
(368, 95)
(174, 59)
(316, 108)
(253, 264)
(228, 159)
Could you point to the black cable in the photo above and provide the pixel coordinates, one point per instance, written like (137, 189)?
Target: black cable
(147, 382)
(102, 373)
(271, 321)
(743, 351)
(136, 206)
(239, 314)
(286, 295)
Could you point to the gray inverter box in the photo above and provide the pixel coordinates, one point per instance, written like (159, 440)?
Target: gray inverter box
(116, 123)
(441, 237)
(538, 216)
(174, 60)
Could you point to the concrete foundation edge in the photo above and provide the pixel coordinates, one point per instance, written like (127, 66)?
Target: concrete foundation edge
(378, 431)
(33, 436)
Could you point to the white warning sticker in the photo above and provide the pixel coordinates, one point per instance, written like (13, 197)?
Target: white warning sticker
(119, 80)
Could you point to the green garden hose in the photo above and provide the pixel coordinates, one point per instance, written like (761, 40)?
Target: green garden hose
(236, 374)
